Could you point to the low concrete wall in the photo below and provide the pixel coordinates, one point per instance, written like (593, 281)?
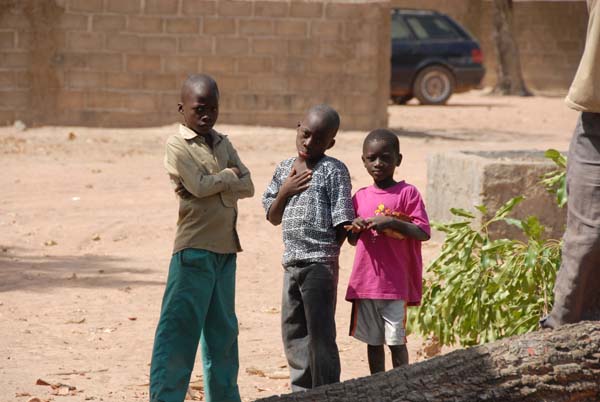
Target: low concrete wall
(121, 62)
(465, 179)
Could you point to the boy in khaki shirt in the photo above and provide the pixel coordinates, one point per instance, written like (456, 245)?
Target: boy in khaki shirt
(199, 299)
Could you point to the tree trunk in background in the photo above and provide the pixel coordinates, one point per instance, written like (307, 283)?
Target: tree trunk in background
(509, 78)
(558, 365)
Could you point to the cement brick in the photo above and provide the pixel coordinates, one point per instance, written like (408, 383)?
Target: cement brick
(198, 45)
(271, 8)
(256, 27)
(268, 83)
(123, 81)
(160, 82)
(7, 40)
(255, 65)
(182, 64)
(7, 117)
(232, 46)
(104, 100)
(85, 79)
(144, 24)
(234, 8)
(465, 179)
(291, 28)
(218, 64)
(262, 46)
(123, 42)
(345, 11)
(159, 45)
(182, 25)
(108, 22)
(219, 26)
(123, 6)
(198, 7)
(161, 7)
(333, 30)
(143, 63)
(298, 66)
(14, 99)
(104, 62)
(304, 47)
(70, 21)
(14, 60)
(305, 9)
(8, 80)
(141, 103)
(91, 6)
(85, 40)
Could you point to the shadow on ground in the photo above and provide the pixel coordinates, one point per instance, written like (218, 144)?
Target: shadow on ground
(21, 270)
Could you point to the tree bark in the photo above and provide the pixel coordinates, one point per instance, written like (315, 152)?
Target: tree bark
(550, 365)
(509, 77)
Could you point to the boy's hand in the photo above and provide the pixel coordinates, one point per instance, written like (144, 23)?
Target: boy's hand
(357, 225)
(296, 183)
(237, 171)
(181, 191)
(379, 223)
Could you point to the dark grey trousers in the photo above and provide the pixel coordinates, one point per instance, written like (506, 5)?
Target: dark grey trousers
(577, 289)
(308, 324)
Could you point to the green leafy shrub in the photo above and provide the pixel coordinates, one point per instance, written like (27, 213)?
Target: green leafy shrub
(478, 289)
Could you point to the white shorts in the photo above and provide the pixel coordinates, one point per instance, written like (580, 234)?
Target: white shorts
(378, 322)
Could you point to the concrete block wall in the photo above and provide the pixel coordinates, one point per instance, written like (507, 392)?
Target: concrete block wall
(121, 62)
(550, 35)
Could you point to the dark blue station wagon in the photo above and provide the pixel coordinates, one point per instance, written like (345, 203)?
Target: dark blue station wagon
(432, 57)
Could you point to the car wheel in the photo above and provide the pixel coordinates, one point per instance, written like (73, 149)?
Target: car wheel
(401, 100)
(433, 85)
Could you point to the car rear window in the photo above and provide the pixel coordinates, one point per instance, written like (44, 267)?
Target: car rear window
(400, 30)
(432, 27)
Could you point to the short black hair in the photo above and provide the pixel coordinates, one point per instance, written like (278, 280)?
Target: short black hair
(385, 135)
(203, 81)
(331, 118)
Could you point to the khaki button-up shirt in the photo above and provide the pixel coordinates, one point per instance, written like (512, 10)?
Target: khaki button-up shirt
(584, 94)
(208, 219)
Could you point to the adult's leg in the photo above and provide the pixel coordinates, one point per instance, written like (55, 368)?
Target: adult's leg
(318, 288)
(296, 342)
(376, 356)
(185, 303)
(577, 289)
(220, 336)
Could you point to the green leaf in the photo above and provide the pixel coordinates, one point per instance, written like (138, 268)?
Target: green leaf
(462, 212)
(507, 208)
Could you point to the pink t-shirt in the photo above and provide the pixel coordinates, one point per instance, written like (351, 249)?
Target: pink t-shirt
(384, 267)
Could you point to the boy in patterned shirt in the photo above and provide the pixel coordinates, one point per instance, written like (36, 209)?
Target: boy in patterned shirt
(310, 195)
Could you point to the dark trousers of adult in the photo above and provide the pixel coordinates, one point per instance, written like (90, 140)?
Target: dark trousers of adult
(198, 304)
(308, 324)
(577, 289)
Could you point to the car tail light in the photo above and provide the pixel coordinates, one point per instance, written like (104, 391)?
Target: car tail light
(477, 56)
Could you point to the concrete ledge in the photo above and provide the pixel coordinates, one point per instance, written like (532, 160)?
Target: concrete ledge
(463, 179)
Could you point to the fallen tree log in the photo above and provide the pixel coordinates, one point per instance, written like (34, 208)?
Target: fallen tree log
(550, 365)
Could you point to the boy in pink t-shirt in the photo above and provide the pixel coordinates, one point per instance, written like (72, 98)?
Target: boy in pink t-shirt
(386, 277)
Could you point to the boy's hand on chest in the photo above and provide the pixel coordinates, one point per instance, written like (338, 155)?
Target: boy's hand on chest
(297, 181)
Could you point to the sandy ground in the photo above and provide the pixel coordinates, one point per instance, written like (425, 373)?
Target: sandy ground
(87, 223)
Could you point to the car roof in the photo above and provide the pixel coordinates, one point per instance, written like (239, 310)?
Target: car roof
(415, 11)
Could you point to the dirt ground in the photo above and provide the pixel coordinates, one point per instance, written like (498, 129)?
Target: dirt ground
(87, 219)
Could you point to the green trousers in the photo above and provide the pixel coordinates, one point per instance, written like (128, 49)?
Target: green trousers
(198, 304)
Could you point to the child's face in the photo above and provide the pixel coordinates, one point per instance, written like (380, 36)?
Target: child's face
(380, 160)
(313, 137)
(200, 108)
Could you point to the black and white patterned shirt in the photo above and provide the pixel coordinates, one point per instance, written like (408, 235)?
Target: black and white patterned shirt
(310, 217)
